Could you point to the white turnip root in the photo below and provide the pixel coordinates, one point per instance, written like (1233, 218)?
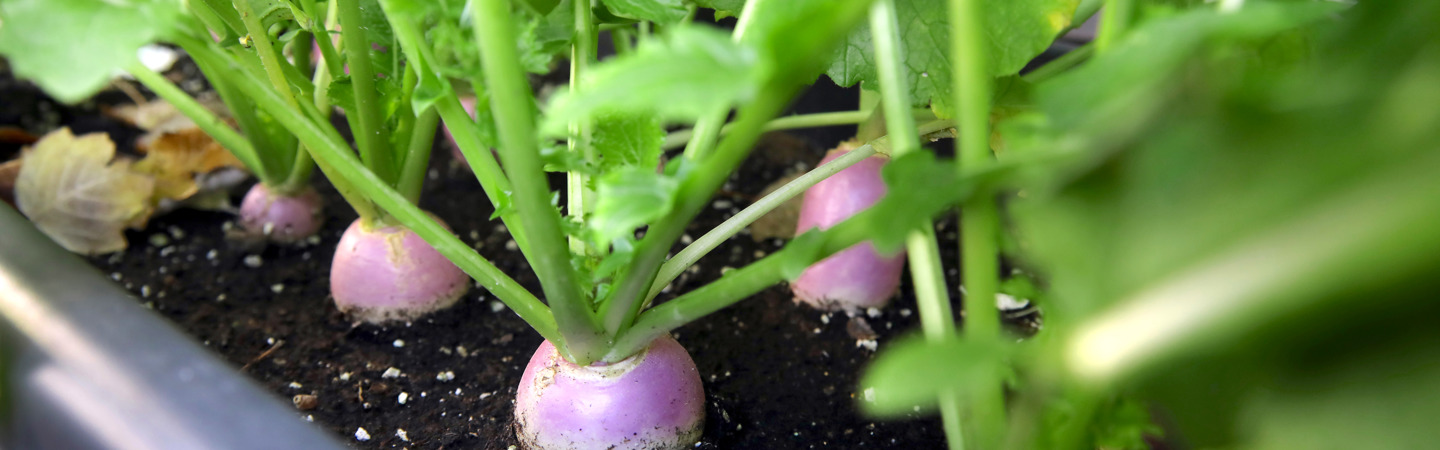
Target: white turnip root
(281, 218)
(858, 277)
(653, 400)
(390, 274)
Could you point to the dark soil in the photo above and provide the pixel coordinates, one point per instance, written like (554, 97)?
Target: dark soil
(776, 375)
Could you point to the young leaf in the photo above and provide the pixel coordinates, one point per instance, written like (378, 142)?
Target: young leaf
(628, 140)
(663, 12)
(72, 191)
(71, 48)
(914, 372)
(1018, 30)
(628, 198)
(693, 71)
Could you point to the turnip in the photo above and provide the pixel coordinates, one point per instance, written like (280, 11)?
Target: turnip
(651, 400)
(857, 277)
(381, 274)
(279, 217)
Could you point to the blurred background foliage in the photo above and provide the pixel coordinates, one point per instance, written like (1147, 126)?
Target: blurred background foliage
(1242, 231)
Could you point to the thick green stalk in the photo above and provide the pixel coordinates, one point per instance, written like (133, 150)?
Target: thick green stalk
(412, 173)
(979, 220)
(582, 52)
(370, 135)
(511, 100)
(340, 163)
(678, 138)
(926, 271)
(1114, 20)
(203, 118)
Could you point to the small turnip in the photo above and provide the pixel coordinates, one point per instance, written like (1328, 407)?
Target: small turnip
(281, 218)
(652, 400)
(383, 274)
(857, 277)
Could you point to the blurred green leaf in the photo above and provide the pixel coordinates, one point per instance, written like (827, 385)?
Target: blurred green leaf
(1118, 90)
(691, 72)
(628, 140)
(72, 48)
(628, 198)
(912, 373)
(663, 12)
(1018, 30)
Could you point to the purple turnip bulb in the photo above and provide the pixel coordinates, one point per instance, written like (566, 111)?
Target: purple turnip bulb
(858, 277)
(281, 218)
(383, 274)
(652, 400)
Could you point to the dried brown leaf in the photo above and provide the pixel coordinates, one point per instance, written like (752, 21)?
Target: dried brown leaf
(73, 191)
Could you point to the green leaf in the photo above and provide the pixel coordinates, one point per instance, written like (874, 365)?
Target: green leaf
(663, 12)
(723, 8)
(1018, 31)
(544, 37)
(341, 93)
(72, 48)
(628, 198)
(541, 7)
(693, 71)
(913, 372)
(628, 140)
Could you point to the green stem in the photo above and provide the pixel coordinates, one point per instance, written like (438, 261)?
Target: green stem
(926, 271)
(417, 159)
(203, 118)
(511, 100)
(325, 40)
(302, 48)
(874, 125)
(707, 130)
(1114, 20)
(680, 137)
(619, 311)
(370, 135)
(269, 58)
(582, 52)
(1061, 64)
(482, 163)
(979, 220)
(702, 246)
(748, 280)
(622, 38)
(339, 162)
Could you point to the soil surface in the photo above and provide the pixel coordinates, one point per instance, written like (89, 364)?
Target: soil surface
(776, 374)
